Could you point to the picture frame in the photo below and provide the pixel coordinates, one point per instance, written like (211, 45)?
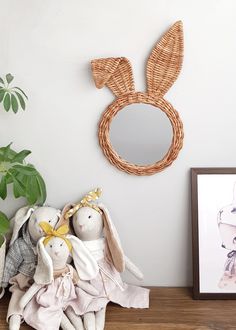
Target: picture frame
(213, 195)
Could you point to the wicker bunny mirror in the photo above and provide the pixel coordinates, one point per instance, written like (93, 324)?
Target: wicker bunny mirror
(163, 67)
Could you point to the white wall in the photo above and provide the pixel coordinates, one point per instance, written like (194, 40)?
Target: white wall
(48, 46)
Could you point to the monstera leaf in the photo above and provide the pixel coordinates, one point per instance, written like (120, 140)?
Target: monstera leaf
(11, 97)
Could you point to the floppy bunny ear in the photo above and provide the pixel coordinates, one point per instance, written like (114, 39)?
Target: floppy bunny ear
(115, 73)
(63, 220)
(20, 218)
(84, 262)
(113, 244)
(165, 61)
(44, 269)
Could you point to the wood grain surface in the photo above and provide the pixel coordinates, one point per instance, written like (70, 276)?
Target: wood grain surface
(170, 309)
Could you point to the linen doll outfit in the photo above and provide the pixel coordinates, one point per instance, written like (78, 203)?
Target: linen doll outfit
(109, 284)
(45, 309)
(19, 270)
(21, 258)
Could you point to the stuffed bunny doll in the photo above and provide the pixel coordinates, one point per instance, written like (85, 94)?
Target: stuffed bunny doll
(21, 256)
(227, 228)
(90, 222)
(57, 285)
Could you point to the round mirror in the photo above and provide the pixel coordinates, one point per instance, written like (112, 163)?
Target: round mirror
(148, 131)
(141, 134)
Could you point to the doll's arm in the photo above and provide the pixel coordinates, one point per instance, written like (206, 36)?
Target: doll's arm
(87, 287)
(29, 295)
(133, 269)
(84, 285)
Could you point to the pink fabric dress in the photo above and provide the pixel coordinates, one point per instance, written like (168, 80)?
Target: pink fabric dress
(45, 309)
(110, 286)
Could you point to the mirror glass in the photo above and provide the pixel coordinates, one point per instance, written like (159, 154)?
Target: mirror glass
(141, 134)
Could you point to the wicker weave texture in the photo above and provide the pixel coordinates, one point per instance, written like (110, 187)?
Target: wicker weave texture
(163, 68)
(165, 61)
(122, 164)
(116, 73)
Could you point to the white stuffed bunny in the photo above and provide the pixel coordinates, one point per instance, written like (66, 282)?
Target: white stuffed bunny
(21, 256)
(55, 287)
(227, 227)
(92, 224)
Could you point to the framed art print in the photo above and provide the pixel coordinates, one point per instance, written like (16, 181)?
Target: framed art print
(214, 232)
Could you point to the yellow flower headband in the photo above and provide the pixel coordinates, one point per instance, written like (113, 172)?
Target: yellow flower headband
(50, 233)
(86, 201)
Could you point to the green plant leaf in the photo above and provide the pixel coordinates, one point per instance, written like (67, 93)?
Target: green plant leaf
(10, 154)
(25, 169)
(18, 158)
(9, 78)
(19, 89)
(32, 190)
(4, 223)
(21, 100)
(18, 187)
(42, 189)
(27, 181)
(2, 93)
(16, 192)
(3, 187)
(1, 81)
(6, 152)
(7, 102)
(8, 178)
(14, 103)
(22, 177)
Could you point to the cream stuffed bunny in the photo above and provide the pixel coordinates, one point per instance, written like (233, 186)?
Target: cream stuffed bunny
(21, 256)
(92, 224)
(57, 285)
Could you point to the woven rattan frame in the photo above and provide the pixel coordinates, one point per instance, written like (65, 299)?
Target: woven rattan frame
(111, 154)
(163, 68)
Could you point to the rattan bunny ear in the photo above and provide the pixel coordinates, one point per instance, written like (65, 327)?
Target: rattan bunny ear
(115, 73)
(165, 61)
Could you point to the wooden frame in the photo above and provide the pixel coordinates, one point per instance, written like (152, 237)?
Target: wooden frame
(163, 68)
(195, 172)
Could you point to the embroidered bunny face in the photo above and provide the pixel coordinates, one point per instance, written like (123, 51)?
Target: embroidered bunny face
(58, 250)
(87, 224)
(45, 213)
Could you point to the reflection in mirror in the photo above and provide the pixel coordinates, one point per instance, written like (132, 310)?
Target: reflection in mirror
(141, 134)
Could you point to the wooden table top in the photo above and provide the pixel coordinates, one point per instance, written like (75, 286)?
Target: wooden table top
(170, 309)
